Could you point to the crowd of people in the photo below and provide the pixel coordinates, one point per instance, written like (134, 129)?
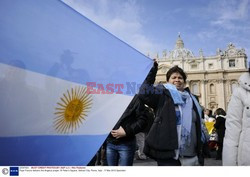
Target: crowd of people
(166, 123)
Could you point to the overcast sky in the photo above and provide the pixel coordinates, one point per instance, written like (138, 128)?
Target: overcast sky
(152, 26)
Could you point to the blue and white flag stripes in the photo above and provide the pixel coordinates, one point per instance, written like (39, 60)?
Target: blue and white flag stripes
(49, 54)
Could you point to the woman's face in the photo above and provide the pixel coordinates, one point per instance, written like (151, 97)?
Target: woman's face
(206, 112)
(177, 80)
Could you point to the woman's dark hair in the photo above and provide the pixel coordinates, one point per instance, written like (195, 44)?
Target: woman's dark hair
(176, 69)
(210, 112)
(220, 111)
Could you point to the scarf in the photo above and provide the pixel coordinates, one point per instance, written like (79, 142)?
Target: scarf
(185, 104)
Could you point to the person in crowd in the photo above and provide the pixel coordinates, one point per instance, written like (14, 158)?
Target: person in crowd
(175, 137)
(140, 137)
(219, 125)
(121, 143)
(236, 148)
(101, 155)
(140, 142)
(205, 150)
(208, 115)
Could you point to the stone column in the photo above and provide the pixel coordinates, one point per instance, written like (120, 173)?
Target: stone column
(221, 93)
(203, 93)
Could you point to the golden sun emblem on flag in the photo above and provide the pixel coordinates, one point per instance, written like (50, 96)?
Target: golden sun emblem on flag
(72, 110)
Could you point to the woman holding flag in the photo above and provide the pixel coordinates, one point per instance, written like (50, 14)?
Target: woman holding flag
(175, 137)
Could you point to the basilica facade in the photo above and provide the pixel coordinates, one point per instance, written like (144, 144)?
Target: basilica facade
(211, 78)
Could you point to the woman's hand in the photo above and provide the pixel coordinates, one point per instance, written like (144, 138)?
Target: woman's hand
(155, 63)
(119, 133)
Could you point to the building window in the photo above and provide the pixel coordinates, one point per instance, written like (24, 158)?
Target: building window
(231, 63)
(210, 65)
(193, 66)
(195, 89)
(212, 88)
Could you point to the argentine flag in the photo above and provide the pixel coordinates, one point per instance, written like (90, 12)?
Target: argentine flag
(64, 83)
